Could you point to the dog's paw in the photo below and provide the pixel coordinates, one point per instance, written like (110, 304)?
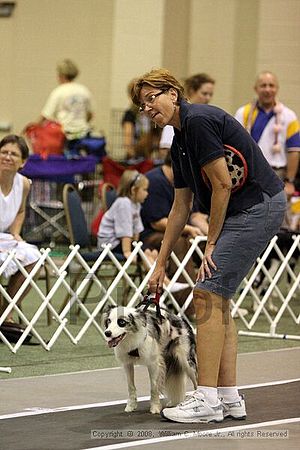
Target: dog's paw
(131, 406)
(155, 409)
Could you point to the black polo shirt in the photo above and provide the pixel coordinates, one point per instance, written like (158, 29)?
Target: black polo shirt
(205, 129)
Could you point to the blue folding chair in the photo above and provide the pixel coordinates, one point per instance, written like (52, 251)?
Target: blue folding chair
(108, 196)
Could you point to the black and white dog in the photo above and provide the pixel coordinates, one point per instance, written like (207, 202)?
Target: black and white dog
(166, 346)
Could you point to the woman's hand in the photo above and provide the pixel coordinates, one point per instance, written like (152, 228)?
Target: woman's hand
(207, 263)
(157, 279)
(17, 237)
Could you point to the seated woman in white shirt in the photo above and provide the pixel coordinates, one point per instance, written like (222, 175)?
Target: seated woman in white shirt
(14, 189)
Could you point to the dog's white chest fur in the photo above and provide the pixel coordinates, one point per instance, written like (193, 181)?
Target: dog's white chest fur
(140, 351)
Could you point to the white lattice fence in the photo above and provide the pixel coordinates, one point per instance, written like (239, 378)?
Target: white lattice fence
(104, 291)
(280, 281)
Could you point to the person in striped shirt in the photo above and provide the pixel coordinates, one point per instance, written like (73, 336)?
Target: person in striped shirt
(275, 128)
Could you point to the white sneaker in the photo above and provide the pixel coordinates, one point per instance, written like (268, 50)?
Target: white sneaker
(194, 409)
(179, 287)
(236, 410)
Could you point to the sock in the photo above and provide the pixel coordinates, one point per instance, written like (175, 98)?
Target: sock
(229, 394)
(210, 394)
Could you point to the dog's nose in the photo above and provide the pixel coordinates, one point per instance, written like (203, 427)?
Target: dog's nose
(107, 333)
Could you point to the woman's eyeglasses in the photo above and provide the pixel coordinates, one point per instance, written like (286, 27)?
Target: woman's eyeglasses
(151, 99)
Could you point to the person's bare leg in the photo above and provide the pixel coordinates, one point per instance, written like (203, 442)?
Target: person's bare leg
(211, 317)
(227, 371)
(204, 405)
(233, 403)
(200, 220)
(15, 282)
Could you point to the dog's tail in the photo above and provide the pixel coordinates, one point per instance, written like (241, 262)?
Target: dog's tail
(176, 374)
(175, 387)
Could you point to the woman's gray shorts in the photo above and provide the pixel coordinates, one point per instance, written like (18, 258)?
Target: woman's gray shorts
(243, 238)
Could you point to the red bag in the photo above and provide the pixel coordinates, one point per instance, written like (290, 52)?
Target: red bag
(96, 223)
(113, 170)
(46, 138)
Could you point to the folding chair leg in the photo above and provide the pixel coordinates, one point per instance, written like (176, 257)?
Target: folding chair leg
(88, 290)
(85, 296)
(20, 320)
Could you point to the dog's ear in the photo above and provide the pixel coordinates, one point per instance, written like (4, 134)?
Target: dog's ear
(107, 309)
(133, 319)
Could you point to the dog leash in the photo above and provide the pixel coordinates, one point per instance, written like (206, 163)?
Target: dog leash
(149, 299)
